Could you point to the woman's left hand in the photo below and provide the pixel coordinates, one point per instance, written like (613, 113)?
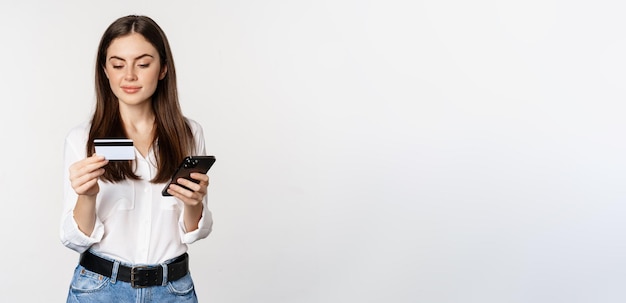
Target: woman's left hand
(194, 196)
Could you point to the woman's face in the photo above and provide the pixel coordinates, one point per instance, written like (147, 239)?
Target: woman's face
(133, 68)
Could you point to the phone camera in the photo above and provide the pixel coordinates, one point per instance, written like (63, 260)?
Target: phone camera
(189, 163)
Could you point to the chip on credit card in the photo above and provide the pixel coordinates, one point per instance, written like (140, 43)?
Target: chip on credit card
(115, 149)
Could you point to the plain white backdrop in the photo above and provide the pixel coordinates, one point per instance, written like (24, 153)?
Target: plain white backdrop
(367, 151)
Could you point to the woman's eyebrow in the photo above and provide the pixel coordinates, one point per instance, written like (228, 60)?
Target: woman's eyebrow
(137, 58)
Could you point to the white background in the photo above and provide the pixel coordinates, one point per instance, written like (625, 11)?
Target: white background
(368, 151)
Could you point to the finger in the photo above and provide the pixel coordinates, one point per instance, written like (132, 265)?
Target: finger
(78, 181)
(89, 173)
(96, 157)
(96, 163)
(200, 177)
(193, 186)
(83, 188)
(84, 184)
(88, 164)
(84, 177)
(87, 169)
(190, 195)
(183, 192)
(185, 196)
(91, 160)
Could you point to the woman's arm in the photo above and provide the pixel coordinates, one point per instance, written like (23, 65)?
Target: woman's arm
(84, 176)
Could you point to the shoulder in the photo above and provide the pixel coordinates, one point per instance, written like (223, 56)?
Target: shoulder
(79, 133)
(196, 128)
(193, 125)
(198, 136)
(76, 140)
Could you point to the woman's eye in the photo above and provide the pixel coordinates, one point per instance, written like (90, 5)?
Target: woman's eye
(117, 66)
(144, 65)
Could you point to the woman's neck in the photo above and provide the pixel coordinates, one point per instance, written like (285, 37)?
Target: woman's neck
(139, 126)
(138, 119)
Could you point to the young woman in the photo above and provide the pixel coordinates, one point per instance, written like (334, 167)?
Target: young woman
(132, 239)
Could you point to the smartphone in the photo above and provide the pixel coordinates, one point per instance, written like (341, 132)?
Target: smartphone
(191, 164)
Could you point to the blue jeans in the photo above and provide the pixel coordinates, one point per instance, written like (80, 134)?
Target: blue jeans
(90, 287)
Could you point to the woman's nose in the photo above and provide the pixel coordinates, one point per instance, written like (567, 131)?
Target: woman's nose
(130, 74)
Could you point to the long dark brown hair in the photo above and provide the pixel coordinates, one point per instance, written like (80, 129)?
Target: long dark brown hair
(173, 136)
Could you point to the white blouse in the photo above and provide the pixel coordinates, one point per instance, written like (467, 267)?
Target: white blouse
(134, 222)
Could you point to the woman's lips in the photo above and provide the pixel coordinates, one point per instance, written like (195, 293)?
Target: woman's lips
(131, 89)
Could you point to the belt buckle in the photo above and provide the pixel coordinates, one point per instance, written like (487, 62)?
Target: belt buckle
(134, 278)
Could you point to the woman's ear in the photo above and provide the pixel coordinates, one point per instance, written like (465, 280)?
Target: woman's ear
(163, 72)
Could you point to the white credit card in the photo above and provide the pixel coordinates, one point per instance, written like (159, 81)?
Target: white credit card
(115, 149)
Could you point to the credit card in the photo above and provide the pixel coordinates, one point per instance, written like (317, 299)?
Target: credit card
(115, 149)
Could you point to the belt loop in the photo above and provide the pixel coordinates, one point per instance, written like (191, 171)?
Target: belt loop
(164, 283)
(116, 266)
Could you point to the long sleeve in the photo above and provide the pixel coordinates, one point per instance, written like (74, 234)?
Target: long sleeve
(205, 224)
(70, 235)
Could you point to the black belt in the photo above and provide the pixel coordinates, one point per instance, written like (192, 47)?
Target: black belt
(138, 276)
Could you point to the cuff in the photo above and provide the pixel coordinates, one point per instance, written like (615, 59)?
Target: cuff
(72, 237)
(205, 226)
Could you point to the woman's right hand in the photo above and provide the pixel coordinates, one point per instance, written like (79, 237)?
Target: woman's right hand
(84, 175)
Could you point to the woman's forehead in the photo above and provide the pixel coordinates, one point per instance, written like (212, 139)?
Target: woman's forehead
(131, 47)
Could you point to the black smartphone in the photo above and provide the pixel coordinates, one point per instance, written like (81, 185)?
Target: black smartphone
(191, 164)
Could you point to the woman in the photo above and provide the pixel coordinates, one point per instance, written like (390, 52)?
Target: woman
(132, 239)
